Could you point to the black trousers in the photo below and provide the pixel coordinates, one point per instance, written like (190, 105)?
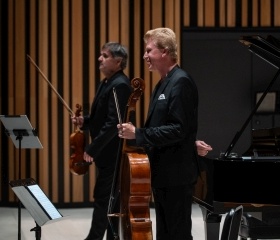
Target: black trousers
(173, 207)
(102, 192)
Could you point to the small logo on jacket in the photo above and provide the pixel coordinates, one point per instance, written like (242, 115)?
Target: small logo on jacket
(161, 96)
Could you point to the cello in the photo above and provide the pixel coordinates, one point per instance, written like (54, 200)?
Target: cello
(77, 164)
(132, 179)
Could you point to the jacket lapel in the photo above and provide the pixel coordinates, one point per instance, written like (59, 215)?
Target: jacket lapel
(158, 93)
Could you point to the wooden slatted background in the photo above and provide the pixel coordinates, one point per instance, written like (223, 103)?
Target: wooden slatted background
(64, 38)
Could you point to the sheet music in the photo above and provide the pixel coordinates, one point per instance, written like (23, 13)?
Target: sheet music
(44, 201)
(36, 203)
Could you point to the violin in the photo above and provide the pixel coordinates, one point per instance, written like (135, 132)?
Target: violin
(134, 184)
(77, 164)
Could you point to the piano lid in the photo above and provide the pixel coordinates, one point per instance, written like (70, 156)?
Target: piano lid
(267, 49)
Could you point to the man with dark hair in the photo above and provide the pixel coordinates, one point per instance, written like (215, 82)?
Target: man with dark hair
(101, 123)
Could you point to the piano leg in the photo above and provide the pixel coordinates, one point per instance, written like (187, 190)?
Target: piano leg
(211, 224)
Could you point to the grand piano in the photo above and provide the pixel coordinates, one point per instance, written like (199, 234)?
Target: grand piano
(251, 179)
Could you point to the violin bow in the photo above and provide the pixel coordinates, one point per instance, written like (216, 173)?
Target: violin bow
(52, 87)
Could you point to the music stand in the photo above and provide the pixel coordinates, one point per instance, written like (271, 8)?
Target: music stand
(36, 203)
(23, 135)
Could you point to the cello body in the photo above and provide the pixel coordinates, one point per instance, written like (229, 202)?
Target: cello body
(133, 178)
(135, 192)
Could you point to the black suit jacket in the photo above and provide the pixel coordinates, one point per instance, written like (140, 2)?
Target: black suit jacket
(170, 131)
(102, 121)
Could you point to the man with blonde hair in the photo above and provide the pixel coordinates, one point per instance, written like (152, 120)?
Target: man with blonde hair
(169, 137)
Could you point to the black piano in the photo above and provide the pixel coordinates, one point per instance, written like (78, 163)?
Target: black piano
(252, 179)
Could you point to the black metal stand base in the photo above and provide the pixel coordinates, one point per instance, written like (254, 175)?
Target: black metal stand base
(37, 231)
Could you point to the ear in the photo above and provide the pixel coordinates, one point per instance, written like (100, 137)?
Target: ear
(119, 60)
(164, 51)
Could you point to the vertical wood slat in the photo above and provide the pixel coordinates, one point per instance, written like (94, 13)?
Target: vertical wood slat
(66, 95)
(231, 21)
(11, 97)
(244, 17)
(147, 75)
(178, 26)
(186, 13)
(19, 75)
(113, 21)
(137, 50)
(255, 16)
(124, 30)
(77, 79)
(169, 16)
(43, 97)
(265, 13)
(209, 6)
(103, 21)
(93, 62)
(276, 13)
(157, 21)
(222, 13)
(200, 13)
(54, 103)
(33, 81)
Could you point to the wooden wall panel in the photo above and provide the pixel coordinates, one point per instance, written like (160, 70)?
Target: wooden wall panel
(222, 13)
(43, 98)
(138, 54)
(64, 38)
(147, 75)
(200, 13)
(76, 52)
(276, 9)
(231, 13)
(244, 13)
(33, 81)
(93, 64)
(177, 25)
(209, 8)
(186, 13)
(103, 23)
(66, 96)
(265, 12)
(255, 17)
(54, 102)
(11, 156)
(114, 20)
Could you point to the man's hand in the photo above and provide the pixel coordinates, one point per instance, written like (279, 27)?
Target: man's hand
(126, 130)
(202, 148)
(78, 121)
(88, 158)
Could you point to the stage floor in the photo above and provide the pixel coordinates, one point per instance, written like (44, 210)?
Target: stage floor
(74, 226)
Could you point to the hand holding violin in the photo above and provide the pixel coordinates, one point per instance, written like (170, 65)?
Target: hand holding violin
(77, 120)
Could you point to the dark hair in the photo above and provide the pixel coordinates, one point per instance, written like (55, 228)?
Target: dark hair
(117, 50)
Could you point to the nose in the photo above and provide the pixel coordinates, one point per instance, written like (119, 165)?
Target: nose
(145, 56)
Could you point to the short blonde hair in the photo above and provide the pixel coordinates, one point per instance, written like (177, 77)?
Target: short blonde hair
(163, 38)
